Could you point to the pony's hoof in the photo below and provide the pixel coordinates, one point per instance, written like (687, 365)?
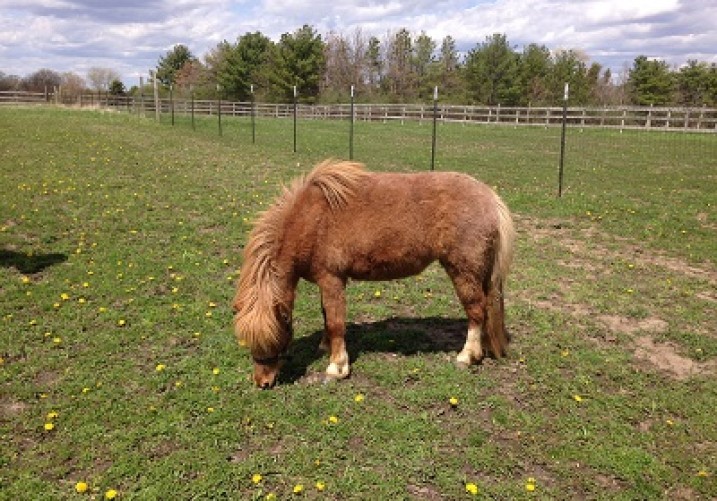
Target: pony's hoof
(464, 360)
(338, 372)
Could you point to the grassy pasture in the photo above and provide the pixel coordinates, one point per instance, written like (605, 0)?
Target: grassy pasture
(120, 244)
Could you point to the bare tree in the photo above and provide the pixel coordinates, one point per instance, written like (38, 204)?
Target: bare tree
(43, 80)
(101, 78)
(72, 84)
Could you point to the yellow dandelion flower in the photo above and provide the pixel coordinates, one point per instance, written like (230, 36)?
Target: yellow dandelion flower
(64, 296)
(320, 486)
(298, 489)
(472, 489)
(111, 494)
(215, 371)
(121, 322)
(256, 478)
(333, 420)
(52, 415)
(703, 473)
(359, 398)
(530, 485)
(25, 280)
(49, 426)
(377, 294)
(270, 497)
(453, 401)
(81, 487)
(160, 367)
(577, 398)
(210, 409)
(57, 340)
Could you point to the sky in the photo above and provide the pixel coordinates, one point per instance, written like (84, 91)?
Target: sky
(129, 36)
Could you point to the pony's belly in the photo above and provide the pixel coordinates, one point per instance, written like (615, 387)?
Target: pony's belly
(377, 269)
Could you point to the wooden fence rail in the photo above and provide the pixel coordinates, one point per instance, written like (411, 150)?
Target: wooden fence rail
(696, 119)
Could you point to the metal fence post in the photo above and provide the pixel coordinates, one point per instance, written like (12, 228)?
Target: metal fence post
(351, 126)
(435, 118)
(562, 140)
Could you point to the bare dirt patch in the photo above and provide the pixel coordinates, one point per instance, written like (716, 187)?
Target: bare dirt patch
(627, 325)
(664, 357)
(593, 252)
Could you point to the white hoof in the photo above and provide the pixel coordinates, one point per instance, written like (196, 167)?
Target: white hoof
(464, 358)
(338, 371)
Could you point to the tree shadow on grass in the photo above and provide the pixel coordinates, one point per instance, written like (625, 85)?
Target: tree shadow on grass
(396, 335)
(29, 264)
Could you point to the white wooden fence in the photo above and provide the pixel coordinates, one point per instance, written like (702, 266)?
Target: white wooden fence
(697, 119)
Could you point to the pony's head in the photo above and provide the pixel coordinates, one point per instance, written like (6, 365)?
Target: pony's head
(264, 325)
(268, 342)
(264, 301)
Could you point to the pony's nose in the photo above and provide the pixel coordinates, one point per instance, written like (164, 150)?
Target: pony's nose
(266, 386)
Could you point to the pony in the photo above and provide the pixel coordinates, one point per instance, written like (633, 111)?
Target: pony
(342, 222)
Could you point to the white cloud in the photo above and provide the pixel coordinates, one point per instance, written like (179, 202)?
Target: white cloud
(73, 35)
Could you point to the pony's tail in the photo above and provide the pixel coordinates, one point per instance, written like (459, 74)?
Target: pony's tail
(495, 329)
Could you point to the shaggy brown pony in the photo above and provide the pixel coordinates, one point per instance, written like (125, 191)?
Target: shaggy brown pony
(342, 222)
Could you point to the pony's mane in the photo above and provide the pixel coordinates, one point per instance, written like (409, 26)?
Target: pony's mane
(259, 288)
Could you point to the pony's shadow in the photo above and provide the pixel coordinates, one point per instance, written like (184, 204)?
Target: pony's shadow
(29, 264)
(395, 335)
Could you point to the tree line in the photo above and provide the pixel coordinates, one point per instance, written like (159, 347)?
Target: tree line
(405, 67)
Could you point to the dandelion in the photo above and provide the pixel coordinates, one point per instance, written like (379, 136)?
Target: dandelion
(81, 487)
(65, 296)
(52, 415)
(333, 420)
(111, 494)
(215, 371)
(359, 398)
(49, 426)
(530, 485)
(25, 279)
(565, 353)
(298, 489)
(57, 340)
(577, 398)
(320, 486)
(210, 409)
(256, 478)
(453, 401)
(703, 473)
(270, 497)
(121, 322)
(377, 294)
(472, 489)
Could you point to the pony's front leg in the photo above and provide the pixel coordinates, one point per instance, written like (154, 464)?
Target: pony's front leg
(333, 298)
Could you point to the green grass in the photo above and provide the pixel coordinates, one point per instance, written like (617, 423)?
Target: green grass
(120, 241)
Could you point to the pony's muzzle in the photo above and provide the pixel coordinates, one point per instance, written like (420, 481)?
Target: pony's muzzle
(266, 371)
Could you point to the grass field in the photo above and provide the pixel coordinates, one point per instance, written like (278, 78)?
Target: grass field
(120, 244)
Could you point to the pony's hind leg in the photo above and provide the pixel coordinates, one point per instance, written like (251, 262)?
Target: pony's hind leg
(334, 304)
(472, 351)
(474, 301)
